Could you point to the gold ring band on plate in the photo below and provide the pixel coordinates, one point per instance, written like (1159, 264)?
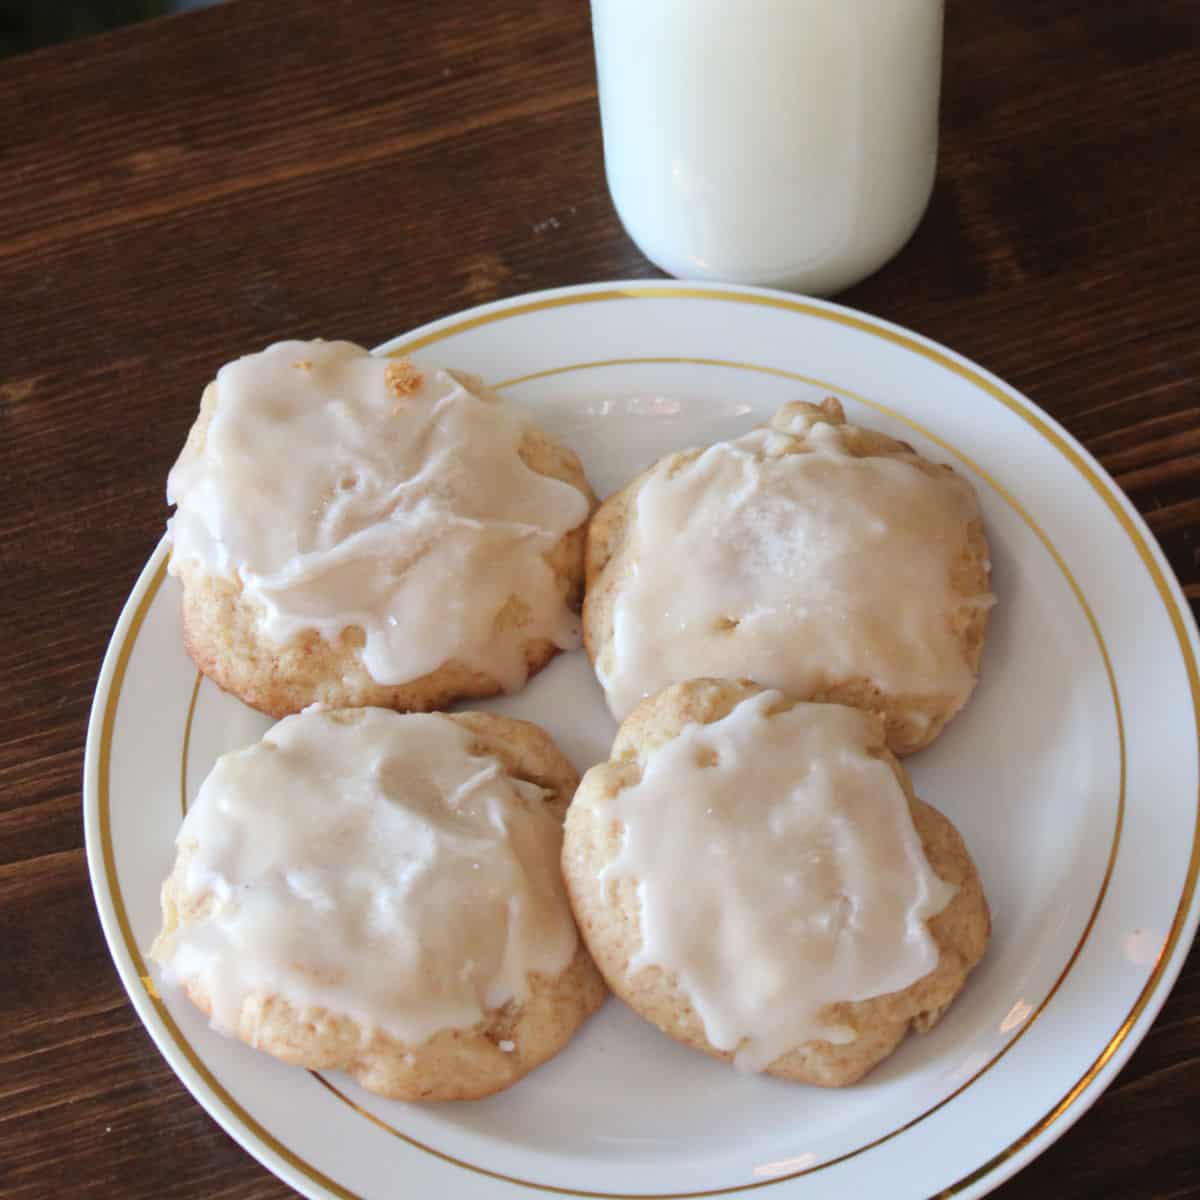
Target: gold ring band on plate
(863, 325)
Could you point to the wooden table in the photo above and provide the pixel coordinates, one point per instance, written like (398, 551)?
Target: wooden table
(174, 194)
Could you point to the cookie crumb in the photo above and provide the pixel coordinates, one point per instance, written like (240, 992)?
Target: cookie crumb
(403, 377)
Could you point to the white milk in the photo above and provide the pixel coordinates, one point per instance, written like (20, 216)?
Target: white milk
(781, 142)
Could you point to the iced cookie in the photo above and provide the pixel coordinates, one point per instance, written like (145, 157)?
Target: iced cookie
(754, 875)
(353, 530)
(380, 894)
(810, 555)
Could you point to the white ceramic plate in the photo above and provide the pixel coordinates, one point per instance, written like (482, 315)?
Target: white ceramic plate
(1072, 775)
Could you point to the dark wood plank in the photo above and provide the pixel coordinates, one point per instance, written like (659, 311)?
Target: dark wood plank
(176, 193)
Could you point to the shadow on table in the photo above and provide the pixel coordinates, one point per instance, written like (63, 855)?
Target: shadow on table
(29, 24)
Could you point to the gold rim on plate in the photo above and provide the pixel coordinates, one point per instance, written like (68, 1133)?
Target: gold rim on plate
(861, 324)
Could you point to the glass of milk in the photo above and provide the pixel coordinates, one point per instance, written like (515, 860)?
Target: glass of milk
(789, 143)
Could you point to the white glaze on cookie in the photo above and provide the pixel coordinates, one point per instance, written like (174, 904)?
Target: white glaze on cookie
(342, 488)
(778, 872)
(374, 868)
(796, 570)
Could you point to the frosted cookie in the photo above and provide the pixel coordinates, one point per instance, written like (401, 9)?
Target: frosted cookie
(381, 894)
(820, 558)
(351, 530)
(755, 876)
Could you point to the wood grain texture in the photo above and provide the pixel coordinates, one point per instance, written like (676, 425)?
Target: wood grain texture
(175, 194)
